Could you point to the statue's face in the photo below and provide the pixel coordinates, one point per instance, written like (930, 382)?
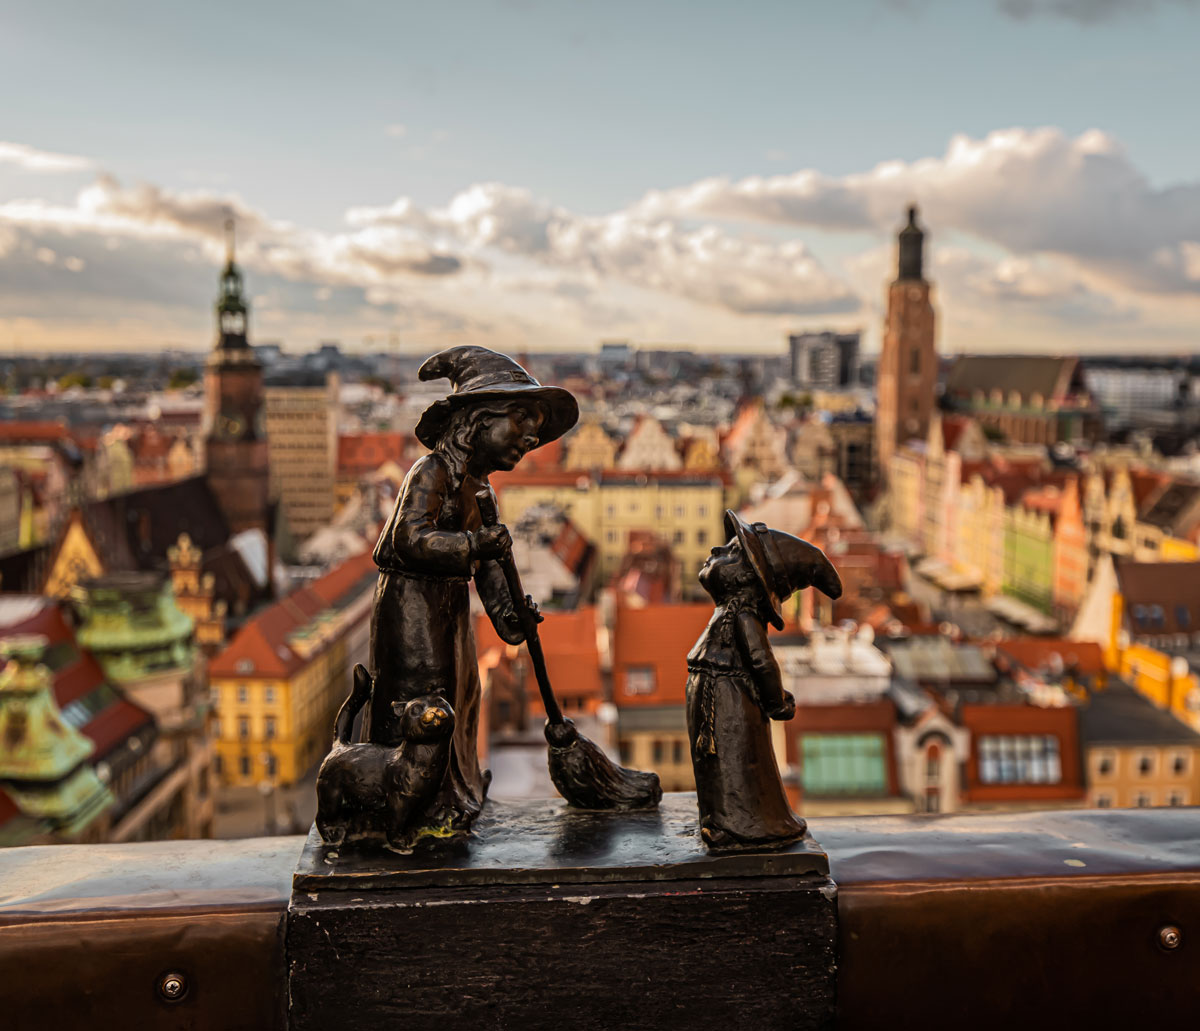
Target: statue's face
(724, 569)
(506, 437)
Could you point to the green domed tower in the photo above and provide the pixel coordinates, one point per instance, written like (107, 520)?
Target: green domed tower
(43, 760)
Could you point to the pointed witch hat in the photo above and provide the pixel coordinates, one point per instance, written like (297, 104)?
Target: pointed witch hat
(784, 564)
(479, 375)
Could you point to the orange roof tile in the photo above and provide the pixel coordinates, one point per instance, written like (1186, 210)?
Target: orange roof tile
(569, 645)
(656, 637)
(262, 640)
(1035, 652)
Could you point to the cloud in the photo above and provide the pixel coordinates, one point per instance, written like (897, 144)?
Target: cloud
(395, 130)
(1085, 12)
(29, 159)
(1027, 190)
(705, 264)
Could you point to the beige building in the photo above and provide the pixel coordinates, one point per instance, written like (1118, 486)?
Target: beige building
(686, 510)
(1137, 754)
(302, 440)
(588, 448)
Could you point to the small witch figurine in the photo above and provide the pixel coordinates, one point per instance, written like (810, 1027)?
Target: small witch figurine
(421, 639)
(734, 687)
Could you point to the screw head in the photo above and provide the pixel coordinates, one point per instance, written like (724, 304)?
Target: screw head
(1170, 938)
(172, 986)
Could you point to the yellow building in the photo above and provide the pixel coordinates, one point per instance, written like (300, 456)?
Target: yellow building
(281, 679)
(685, 509)
(301, 425)
(1137, 754)
(588, 447)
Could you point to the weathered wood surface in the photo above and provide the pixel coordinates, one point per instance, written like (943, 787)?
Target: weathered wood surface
(690, 954)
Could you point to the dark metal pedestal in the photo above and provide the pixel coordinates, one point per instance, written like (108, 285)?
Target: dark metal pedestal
(552, 918)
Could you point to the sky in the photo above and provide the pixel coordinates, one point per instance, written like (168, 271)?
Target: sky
(541, 175)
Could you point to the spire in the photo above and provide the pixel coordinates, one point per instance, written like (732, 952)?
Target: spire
(912, 243)
(231, 306)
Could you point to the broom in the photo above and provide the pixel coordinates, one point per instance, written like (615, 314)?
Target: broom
(581, 772)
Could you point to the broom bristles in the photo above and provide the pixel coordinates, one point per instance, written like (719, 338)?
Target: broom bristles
(589, 779)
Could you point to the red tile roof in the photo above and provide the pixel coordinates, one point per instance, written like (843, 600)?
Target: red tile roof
(263, 640)
(569, 644)
(360, 454)
(1037, 652)
(656, 637)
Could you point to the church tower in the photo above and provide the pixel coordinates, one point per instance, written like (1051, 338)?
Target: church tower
(235, 438)
(907, 377)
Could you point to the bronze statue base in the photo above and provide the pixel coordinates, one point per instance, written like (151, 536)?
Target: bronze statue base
(552, 917)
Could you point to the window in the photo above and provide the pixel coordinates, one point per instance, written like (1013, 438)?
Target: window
(639, 680)
(843, 764)
(1177, 798)
(272, 765)
(269, 695)
(658, 750)
(243, 727)
(677, 752)
(244, 765)
(269, 728)
(243, 694)
(610, 510)
(678, 537)
(1145, 764)
(1179, 764)
(702, 511)
(914, 361)
(625, 747)
(1019, 759)
(659, 512)
(218, 764)
(1105, 765)
(702, 537)
(1142, 800)
(611, 536)
(245, 665)
(679, 512)
(1183, 616)
(1104, 801)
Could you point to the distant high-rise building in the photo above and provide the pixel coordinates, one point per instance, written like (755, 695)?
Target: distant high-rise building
(907, 375)
(824, 361)
(302, 422)
(235, 437)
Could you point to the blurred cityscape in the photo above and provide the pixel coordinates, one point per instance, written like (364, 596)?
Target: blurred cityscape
(188, 537)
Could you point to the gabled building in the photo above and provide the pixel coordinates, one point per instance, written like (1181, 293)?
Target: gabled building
(280, 680)
(1136, 753)
(1025, 398)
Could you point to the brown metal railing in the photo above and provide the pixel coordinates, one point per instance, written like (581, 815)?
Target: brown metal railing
(1080, 919)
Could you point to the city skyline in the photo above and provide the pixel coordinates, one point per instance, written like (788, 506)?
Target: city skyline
(603, 184)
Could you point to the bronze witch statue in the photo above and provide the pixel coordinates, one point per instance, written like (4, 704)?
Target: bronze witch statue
(734, 686)
(416, 772)
(422, 645)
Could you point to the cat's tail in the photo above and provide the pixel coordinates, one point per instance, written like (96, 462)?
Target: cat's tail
(360, 691)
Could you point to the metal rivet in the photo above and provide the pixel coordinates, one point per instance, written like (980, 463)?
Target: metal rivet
(1170, 938)
(172, 987)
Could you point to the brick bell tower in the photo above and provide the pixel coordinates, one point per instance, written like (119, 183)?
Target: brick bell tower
(235, 439)
(907, 378)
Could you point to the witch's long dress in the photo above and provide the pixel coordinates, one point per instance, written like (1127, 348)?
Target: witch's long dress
(738, 787)
(421, 637)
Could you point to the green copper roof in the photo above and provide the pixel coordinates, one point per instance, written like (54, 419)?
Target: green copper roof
(133, 625)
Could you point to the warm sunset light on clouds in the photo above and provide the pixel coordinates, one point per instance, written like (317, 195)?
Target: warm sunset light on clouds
(1042, 238)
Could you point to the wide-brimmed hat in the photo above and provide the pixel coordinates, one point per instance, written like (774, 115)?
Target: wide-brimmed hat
(783, 563)
(479, 375)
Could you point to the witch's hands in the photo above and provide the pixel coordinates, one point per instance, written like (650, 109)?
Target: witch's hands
(785, 710)
(513, 622)
(491, 542)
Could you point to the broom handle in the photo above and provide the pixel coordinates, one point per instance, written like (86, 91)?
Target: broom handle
(490, 517)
